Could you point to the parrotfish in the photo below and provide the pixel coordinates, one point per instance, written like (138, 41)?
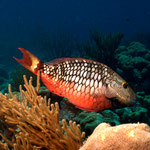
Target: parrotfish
(87, 84)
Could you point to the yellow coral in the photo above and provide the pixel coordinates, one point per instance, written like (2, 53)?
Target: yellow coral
(38, 122)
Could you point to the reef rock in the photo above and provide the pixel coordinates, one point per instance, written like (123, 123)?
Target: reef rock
(121, 137)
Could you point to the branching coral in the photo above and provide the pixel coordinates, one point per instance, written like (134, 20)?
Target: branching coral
(102, 48)
(37, 121)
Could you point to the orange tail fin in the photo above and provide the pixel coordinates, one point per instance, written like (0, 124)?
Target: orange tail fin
(29, 61)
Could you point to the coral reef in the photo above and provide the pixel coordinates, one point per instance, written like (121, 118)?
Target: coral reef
(133, 114)
(102, 47)
(139, 112)
(68, 111)
(36, 122)
(144, 101)
(90, 120)
(134, 64)
(122, 137)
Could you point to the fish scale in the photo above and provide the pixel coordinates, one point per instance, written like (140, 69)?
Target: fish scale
(75, 71)
(77, 79)
(87, 84)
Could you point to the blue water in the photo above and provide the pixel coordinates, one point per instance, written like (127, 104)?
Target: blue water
(21, 17)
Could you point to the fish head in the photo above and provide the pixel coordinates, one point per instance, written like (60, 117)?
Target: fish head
(121, 90)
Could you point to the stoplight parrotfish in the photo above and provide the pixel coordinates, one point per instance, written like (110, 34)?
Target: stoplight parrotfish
(87, 84)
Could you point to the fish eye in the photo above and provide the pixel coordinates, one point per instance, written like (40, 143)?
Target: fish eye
(125, 84)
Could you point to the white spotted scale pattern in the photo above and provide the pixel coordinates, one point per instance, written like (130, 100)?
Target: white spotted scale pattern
(86, 75)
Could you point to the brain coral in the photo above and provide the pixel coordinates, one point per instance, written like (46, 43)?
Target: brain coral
(134, 64)
(121, 137)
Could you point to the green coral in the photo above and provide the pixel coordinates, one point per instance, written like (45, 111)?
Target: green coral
(89, 120)
(133, 114)
(144, 100)
(134, 64)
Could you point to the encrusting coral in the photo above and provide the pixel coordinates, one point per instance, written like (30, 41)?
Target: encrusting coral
(121, 137)
(36, 122)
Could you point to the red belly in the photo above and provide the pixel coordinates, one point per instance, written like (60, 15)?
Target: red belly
(80, 96)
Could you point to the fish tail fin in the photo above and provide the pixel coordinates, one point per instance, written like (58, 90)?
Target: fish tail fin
(29, 61)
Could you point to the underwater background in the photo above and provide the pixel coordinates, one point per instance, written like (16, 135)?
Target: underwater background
(116, 33)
